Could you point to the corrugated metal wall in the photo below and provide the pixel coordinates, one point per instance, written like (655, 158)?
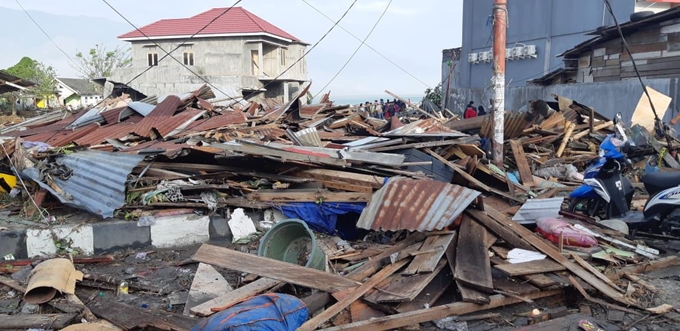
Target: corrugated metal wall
(607, 98)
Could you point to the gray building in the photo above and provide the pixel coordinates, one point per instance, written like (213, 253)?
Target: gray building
(239, 53)
(538, 30)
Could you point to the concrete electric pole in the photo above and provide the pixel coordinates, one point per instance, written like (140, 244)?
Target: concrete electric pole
(500, 22)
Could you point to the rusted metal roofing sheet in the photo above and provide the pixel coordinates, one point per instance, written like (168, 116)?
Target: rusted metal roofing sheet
(310, 111)
(111, 131)
(112, 116)
(65, 137)
(173, 125)
(163, 110)
(98, 181)
(415, 205)
(225, 119)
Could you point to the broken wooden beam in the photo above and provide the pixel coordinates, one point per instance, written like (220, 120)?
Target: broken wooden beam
(435, 313)
(522, 164)
(266, 267)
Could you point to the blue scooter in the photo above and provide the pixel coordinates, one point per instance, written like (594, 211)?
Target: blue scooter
(607, 194)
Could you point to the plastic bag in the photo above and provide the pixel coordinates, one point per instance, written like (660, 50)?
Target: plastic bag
(551, 228)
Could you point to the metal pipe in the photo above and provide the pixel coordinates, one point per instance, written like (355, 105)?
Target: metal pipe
(500, 20)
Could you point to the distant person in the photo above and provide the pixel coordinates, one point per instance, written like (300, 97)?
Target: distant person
(481, 111)
(470, 111)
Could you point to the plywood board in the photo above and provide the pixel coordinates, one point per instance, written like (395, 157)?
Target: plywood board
(643, 113)
(430, 294)
(242, 293)
(530, 268)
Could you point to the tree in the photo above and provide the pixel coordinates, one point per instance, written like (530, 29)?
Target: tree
(434, 95)
(100, 62)
(45, 78)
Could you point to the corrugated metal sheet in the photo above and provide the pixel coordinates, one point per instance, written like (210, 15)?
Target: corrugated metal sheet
(111, 131)
(91, 116)
(63, 138)
(98, 181)
(113, 115)
(163, 110)
(415, 205)
(226, 118)
(310, 111)
(515, 124)
(173, 125)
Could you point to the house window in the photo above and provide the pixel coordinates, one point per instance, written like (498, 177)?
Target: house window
(152, 59)
(283, 56)
(189, 58)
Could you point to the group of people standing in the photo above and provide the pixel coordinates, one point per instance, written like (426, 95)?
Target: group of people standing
(472, 111)
(383, 109)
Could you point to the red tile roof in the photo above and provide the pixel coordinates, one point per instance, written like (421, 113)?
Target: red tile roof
(236, 20)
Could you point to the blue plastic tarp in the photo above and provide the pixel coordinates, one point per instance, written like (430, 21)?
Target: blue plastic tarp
(321, 217)
(270, 311)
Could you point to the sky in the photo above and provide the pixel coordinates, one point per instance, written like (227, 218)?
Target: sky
(412, 34)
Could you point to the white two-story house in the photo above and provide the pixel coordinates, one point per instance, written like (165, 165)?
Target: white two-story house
(239, 53)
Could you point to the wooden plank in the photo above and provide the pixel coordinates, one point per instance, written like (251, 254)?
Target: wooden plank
(428, 262)
(530, 268)
(509, 285)
(639, 268)
(131, 318)
(522, 164)
(551, 252)
(13, 284)
(403, 288)
(499, 230)
(540, 280)
(473, 267)
(42, 321)
(360, 311)
(434, 313)
(308, 196)
(347, 187)
(374, 264)
(266, 267)
(418, 145)
(354, 295)
(595, 272)
(471, 150)
(476, 183)
(430, 294)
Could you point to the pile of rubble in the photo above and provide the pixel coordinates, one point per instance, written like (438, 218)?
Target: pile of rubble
(420, 183)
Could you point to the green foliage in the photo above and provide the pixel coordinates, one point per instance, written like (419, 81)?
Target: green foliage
(434, 95)
(100, 62)
(44, 76)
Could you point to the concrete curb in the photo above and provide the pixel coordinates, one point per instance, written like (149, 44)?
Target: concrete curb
(107, 236)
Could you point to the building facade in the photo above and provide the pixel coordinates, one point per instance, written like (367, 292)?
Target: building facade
(76, 93)
(538, 30)
(239, 53)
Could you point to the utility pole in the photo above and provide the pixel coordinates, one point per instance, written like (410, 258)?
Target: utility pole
(500, 21)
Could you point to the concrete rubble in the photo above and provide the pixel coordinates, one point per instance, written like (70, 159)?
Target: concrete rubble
(413, 222)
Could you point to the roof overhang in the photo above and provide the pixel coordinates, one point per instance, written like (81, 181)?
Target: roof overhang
(216, 35)
(250, 41)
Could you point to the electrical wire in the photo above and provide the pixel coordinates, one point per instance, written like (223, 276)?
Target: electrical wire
(176, 48)
(367, 45)
(311, 49)
(363, 42)
(75, 63)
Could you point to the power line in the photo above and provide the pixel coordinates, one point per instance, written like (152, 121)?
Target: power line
(363, 42)
(176, 48)
(369, 46)
(48, 36)
(313, 46)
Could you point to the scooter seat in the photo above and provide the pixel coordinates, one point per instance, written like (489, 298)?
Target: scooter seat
(656, 182)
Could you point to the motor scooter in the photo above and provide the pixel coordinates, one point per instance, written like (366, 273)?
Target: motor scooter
(607, 194)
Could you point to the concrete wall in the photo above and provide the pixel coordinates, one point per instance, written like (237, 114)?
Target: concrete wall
(607, 98)
(225, 62)
(553, 26)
